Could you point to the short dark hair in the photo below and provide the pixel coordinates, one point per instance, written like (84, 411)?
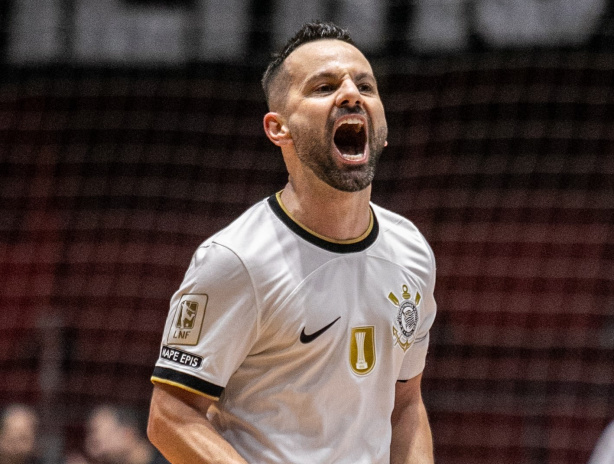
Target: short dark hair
(309, 32)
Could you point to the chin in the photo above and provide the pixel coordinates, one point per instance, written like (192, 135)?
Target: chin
(351, 181)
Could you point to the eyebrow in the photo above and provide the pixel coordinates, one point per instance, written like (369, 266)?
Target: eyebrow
(334, 75)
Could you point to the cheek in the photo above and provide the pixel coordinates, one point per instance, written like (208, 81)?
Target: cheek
(312, 111)
(379, 115)
(309, 128)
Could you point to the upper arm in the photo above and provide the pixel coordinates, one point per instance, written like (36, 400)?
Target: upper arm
(179, 428)
(173, 407)
(411, 434)
(179, 397)
(407, 394)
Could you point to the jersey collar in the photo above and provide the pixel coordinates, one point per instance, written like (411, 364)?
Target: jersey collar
(337, 246)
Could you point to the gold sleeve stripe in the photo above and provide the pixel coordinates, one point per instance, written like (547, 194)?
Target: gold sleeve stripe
(156, 380)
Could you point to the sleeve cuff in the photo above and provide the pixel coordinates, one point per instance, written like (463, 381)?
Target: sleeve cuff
(187, 382)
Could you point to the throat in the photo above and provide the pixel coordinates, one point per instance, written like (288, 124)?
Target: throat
(347, 217)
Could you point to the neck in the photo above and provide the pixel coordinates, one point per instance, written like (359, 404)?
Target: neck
(329, 212)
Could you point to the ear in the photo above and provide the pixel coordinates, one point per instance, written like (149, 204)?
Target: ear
(276, 129)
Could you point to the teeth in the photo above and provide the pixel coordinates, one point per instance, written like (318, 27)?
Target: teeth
(352, 157)
(355, 121)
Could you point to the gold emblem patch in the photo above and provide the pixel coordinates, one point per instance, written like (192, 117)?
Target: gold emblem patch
(362, 349)
(188, 320)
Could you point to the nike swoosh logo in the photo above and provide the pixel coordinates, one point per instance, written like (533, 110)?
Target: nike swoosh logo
(311, 337)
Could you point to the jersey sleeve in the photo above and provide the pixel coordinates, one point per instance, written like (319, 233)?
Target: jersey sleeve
(211, 325)
(415, 358)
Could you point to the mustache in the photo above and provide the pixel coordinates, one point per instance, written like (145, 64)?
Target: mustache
(345, 110)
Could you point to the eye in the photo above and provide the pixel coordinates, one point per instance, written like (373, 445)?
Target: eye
(366, 88)
(324, 88)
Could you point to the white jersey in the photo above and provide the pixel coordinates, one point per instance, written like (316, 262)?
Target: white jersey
(604, 449)
(302, 339)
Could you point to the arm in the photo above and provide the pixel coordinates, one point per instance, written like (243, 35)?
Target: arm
(412, 442)
(179, 428)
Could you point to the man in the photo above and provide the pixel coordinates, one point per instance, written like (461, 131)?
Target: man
(18, 434)
(115, 435)
(313, 308)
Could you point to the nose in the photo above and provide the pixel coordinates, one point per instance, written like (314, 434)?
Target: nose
(348, 95)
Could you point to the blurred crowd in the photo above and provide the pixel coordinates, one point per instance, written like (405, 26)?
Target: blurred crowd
(116, 435)
(113, 435)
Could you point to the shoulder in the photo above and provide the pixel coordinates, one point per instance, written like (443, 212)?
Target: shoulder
(400, 232)
(390, 220)
(604, 449)
(400, 242)
(222, 256)
(252, 245)
(253, 229)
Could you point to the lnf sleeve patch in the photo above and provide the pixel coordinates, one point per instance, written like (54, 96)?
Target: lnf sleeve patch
(181, 357)
(188, 320)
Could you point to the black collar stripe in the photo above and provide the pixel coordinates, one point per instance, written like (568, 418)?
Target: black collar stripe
(335, 247)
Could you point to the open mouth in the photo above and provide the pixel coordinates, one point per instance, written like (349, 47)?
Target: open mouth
(351, 139)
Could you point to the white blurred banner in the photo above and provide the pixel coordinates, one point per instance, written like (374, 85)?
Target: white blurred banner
(118, 32)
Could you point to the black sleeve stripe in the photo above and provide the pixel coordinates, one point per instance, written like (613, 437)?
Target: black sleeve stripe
(165, 375)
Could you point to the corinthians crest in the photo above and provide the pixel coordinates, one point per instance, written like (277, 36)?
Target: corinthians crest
(406, 322)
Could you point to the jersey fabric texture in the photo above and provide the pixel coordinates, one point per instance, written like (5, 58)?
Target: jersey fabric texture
(300, 338)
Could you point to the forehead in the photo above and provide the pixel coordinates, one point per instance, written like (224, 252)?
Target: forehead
(325, 56)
